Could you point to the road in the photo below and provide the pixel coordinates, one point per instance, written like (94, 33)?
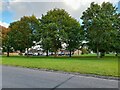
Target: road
(16, 77)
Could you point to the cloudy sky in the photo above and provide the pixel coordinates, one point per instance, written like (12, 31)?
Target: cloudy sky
(12, 10)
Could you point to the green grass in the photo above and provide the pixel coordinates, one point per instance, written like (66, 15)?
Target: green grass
(107, 66)
(95, 55)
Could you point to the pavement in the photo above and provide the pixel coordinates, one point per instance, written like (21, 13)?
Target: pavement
(16, 77)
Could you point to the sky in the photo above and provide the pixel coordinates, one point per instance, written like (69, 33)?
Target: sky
(12, 10)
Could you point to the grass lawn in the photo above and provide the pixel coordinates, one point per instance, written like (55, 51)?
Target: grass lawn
(107, 66)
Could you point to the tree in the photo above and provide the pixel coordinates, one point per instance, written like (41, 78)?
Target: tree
(57, 27)
(72, 35)
(5, 40)
(98, 22)
(52, 24)
(24, 32)
(116, 43)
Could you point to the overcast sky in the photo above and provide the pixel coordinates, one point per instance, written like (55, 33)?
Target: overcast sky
(13, 10)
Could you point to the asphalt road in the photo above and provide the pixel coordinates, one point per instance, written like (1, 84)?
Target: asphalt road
(15, 77)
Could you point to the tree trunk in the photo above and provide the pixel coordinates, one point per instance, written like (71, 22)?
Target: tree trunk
(70, 53)
(98, 53)
(47, 53)
(27, 45)
(55, 53)
(78, 52)
(101, 55)
(8, 51)
(27, 52)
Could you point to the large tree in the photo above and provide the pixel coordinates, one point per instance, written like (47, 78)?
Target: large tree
(57, 27)
(98, 22)
(24, 32)
(52, 24)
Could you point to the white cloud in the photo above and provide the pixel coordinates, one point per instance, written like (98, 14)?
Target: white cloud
(4, 24)
(39, 7)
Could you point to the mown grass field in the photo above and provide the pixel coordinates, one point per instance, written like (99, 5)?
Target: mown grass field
(107, 66)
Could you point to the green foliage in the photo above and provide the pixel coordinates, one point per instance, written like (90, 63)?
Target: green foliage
(50, 37)
(23, 32)
(8, 43)
(57, 27)
(84, 50)
(52, 25)
(73, 34)
(100, 26)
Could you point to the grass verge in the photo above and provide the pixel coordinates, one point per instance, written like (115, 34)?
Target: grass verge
(107, 66)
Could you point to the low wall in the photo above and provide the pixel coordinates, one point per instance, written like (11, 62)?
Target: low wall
(13, 54)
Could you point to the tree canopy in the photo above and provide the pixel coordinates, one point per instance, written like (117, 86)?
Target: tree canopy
(57, 27)
(99, 24)
(23, 33)
(100, 28)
